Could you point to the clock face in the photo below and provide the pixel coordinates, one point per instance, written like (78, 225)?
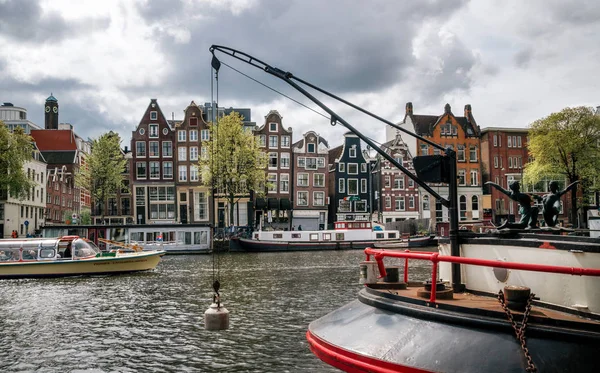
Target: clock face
(55, 109)
(47, 109)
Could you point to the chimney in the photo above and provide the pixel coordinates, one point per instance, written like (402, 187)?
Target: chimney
(447, 109)
(409, 108)
(467, 111)
(126, 150)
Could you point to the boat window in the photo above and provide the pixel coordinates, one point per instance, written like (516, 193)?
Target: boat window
(314, 236)
(379, 235)
(326, 236)
(9, 255)
(30, 254)
(391, 235)
(296, 235)
(277, 235)
(339, 236)
(200, 238)
(47, 253)
(137, 236)
(188, 238)
(84, 249)
(149, 236)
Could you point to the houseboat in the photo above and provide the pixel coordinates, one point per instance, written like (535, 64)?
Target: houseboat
(346, 235)
(172, 238)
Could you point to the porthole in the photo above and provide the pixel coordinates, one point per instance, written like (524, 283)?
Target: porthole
(165, 131)
(142, 131)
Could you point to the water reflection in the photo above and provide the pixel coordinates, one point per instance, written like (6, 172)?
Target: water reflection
(153, 322)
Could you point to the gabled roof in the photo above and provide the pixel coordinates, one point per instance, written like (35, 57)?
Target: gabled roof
(300, 143)
(424, 124)
(335, 153)
(54, 139)
(59, 157)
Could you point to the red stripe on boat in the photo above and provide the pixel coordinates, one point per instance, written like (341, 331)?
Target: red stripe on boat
(352, 362)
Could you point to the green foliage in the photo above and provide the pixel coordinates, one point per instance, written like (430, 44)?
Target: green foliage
(15, 149)
(68, 216)
(85, 217)
(564, 143)
(234, 164)
(103, 173)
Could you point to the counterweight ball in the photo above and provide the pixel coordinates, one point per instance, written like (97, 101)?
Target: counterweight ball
(216, 318)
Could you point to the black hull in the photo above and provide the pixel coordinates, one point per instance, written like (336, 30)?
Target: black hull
(385, 332)
(246, 245)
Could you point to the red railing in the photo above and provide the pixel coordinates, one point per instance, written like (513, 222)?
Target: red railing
(435, 258)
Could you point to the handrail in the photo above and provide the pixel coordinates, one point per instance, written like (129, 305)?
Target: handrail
(435, 258)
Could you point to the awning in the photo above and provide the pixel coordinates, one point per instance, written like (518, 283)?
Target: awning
(260, 204)
(285, 204)
(273, 203)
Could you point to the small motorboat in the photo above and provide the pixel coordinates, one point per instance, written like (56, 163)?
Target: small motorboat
(68, 256)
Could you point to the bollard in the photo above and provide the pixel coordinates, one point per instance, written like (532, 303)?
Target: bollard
(368, 272)
(392, 274)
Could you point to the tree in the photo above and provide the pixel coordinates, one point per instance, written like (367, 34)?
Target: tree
(566, 144)
(234, 164)
(103, 173)
(15, 149)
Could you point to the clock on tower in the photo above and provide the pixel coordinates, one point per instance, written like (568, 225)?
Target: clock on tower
(51, 116)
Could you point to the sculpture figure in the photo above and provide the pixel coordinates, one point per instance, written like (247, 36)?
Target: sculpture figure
(551, 202)
(528, 212)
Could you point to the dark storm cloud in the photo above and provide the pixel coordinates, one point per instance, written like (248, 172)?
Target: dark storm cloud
(23, 20)
(342, 46)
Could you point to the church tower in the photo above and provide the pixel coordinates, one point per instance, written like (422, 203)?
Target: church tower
(51, 113)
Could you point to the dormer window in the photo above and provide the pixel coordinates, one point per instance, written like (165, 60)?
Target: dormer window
(353, 151)
(310, 148)
(272, 127)
(153, 115)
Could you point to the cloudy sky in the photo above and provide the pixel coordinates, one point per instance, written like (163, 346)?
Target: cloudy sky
(514, 61)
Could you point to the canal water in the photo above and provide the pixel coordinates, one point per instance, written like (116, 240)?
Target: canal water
(153, 322)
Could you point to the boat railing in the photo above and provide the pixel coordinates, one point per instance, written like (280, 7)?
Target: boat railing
(435, 258)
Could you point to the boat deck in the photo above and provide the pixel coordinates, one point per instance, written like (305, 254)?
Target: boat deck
(490, 306)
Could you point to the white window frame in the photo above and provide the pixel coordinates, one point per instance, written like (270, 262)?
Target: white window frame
(181, 136)
(357, 187)
(303, 192)
(193, 135)
(342, 185)
(315, 184)
(182, 172)
(316, 199)
(284, 178)
(182, 153)
(363, 185)
(352, 151)
(271, 126)
(304, 176)
(193, 153)
(153, 130)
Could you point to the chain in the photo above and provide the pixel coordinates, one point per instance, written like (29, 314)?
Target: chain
(520, 331)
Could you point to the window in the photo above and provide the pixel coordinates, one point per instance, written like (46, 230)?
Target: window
(272, 183)
(462, 207)
(411, 202)
(460, 154)
(140, 148)
(201, 211)
(302, 199)
(360, 206)
(472, 154)
(125, 206)
(495, 140)
(204, 152)
(353, 151)
(352, 168)
(519, 144)
(273, 159)
(153, 150)
(167, 148)
(342, 167)
(204, 135)
(182, 173)
(168, 170)
(301, 162)
(363, 185)
(303, 179)
(343, 206)
(474, 178)
(342, 186)
(510, 161)
(319, 180)
(181, 135)
(363, 167)
(141, 170)
(285, 141)
(154, 170)
(273, 141)
(509, 141)
(386, 181)
(400, 204)
(285, 160)
(153, 129)
(388, 202)
(284, 183)
(319, 198)
(272, 127)
(193, 135)
(321, 162)
(193, 153)
(495, 161)
(194, 173)
(153, 115)
(474, 203)
(140, 198)
(462, 177)
(310, 148)
(193, 121)
(182, 153)
(353, 186)
(262, 140)
(399, 182)
(311, 163)
(411, 183)
(425, 203)
(424, 149)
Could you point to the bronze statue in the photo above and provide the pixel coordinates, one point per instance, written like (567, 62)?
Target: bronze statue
(551, 202)
(528, 212)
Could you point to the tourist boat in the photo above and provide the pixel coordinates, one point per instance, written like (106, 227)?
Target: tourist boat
(346, 235)
(68, 256)
(172, 238)
(505, 301)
